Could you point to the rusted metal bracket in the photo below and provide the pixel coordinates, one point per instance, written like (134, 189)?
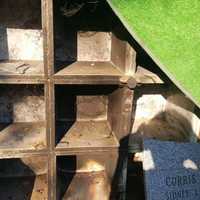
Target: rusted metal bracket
(129, 81)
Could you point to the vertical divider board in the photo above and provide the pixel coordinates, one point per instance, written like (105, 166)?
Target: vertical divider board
(47, 64)
(47, 6)
(45, 36)
(49, 138)
(52, 140)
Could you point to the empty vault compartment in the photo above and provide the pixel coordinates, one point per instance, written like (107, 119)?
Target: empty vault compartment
(22, 118)
(24, 178)
(21, 38)
(85, 45)
(90, 176)
(100, 54)
(93, 117)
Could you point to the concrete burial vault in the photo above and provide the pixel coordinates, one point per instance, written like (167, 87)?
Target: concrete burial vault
(77, 77)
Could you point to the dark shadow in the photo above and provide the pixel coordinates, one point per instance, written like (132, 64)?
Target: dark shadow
(65, 39)
(16, 180)
(6, 108)
(4, 125)
(66, 170)
(118, 184)
(25, 14)
(135, 180)
(62, 128)
(197, 113)
(65, 118)
(4, 54)
(127, 183)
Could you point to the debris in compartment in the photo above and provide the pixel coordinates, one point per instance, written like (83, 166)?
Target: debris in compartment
(22, 68)
(71, 7)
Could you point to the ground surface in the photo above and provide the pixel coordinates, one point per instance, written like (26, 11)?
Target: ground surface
(170, 32)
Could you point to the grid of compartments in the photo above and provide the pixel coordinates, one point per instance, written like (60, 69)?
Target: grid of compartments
(65, 115)
(92, 109)
(23, 97)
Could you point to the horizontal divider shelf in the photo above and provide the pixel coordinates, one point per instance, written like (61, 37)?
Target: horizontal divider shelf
(83, 72)
(21, 71)
(84, 151)
(88, 134)
(22, 137)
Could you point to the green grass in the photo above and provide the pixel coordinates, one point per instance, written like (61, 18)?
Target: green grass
(170, 32)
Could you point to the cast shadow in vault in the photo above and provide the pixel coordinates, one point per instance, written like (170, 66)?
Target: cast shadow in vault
(16, 180)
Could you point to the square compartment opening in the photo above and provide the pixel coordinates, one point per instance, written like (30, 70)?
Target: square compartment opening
(85, 176)
(89, 41)
(21, 38)
(22, 118)
(24, 178)
(90, 116)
